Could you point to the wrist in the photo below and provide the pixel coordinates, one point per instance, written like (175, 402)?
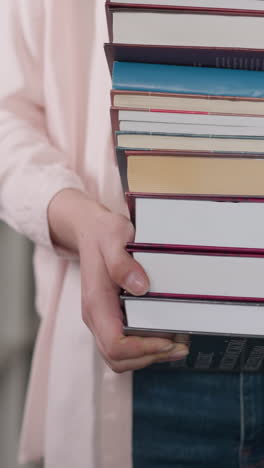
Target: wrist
(71, 215)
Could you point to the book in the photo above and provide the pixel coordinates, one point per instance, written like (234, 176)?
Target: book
(250, 5)
(244, 59)
(171, 122)
(187, 173)
(203, 275)
(219, 313)
(179, 128)
(186, 103)
(189, 142)
(183, 79)
(194, 316)
(195, 129)
(187, 80)
(204, 223)
(186, 27)
(223, 336)
(165, 116)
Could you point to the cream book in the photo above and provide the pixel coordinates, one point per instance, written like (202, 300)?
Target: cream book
(162, 141)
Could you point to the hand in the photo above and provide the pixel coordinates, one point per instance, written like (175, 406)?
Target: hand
(100, 237)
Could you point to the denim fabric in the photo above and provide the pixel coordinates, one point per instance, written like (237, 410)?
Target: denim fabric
(184, 419)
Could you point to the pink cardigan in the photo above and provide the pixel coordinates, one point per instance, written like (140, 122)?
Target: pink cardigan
(55, 133)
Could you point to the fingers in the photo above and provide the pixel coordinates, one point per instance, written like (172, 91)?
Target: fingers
(105, 265)
(101, 312)
(135, 364)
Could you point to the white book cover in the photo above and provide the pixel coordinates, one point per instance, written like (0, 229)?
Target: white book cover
(203, 274)
(180, 29)
(197, 317)
(200, 223)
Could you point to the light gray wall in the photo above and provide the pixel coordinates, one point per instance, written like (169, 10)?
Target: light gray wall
(18, 325)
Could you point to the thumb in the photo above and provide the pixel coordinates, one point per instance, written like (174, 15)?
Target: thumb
(126, 272)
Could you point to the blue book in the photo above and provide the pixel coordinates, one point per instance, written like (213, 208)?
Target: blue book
(150, 77)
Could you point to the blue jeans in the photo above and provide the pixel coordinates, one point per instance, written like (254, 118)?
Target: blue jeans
(197, 420)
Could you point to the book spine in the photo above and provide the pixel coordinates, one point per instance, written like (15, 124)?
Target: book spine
(109, 19)
(122, 166)
(114, 114)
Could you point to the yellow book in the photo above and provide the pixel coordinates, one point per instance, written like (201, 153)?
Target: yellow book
(149, 172)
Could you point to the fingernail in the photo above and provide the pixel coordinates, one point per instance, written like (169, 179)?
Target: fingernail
(167, 348)
(178, 353)
(136, 284)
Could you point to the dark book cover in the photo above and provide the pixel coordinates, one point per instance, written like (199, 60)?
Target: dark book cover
(244, 59)
(200, 9)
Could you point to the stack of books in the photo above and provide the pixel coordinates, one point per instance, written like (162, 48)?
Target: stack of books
(190, 149)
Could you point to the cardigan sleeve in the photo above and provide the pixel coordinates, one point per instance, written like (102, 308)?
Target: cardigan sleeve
(32, 170)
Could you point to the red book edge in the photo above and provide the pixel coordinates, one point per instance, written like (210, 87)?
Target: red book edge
(119, 6)
(198, 154)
